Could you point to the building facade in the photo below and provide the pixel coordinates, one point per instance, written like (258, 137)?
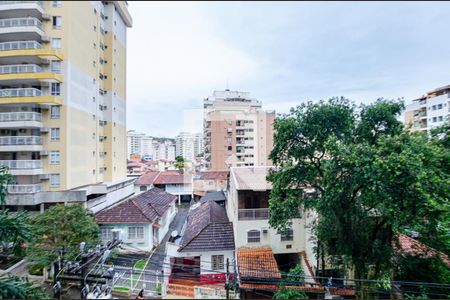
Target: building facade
(429, 111)
(63, 100)
(237, 131)
(188, 145)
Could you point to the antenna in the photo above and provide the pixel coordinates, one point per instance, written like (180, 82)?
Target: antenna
(227, 87)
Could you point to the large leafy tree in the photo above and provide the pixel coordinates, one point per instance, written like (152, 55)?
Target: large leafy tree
(59, 231)
(5, 179)
(12, 287)
(371, 179)
(14, 232)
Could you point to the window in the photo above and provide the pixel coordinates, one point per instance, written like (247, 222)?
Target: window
(56, 21)
(434, 119)
(230, 147)
(440, 118)
(253, 236)
(56, 89)
(217, 262)
(54, 134)
(56, 3)
(95, 28)
(287, 235)
(433, 107)
(55, 112)
(106, 233)
(56, 43)
(56, 67)
(416, 123)
(54, 180)
(136, 232)
(439, 106)
(55, 157)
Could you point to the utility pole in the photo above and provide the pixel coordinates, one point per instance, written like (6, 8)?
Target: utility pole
(227, 280)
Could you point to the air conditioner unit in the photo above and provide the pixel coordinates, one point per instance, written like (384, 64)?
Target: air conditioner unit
(46, 17)
(44, 177)
(45, 61)
(45, 38)
(265, 230)
(43, 153)
(44, 129)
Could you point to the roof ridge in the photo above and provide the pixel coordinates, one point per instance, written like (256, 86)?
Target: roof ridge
(193, 238)
(137, 206)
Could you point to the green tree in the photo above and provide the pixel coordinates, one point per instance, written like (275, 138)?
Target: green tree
(295, 276)
(179, 163)
(12, 287)
(60, 230)
(371, 179)
(14, 232)
(5, 179)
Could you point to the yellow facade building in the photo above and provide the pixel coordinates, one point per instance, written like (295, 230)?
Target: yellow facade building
(63, 102)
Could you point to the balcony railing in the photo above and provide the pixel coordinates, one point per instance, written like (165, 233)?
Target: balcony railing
(8, 69)
(20, 2)
(16, 22)
(21, 164)
(24, 188)
(20, 116)
(20, 45)
(253, 214)
(20, 140)
(20, 92)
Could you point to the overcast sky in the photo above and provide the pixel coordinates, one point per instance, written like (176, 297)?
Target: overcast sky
(283, 53)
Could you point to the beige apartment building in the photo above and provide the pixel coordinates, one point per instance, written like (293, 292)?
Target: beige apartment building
(237, 131)
(62, 102)
(429, 111)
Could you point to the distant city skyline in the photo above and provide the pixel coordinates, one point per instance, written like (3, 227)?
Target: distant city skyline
(283, 53)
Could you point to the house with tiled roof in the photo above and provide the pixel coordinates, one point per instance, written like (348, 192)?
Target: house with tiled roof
(142, 221)
(173, 182)
(256, 241)
(202, 248)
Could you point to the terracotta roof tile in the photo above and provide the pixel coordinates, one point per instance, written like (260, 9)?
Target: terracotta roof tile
(211, 175)
(409, 245)
(147, 207)
(257, 262)
(148, 178)
(173, 177)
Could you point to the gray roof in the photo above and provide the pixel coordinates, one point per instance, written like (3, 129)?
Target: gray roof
(213, 196)
(207, 229)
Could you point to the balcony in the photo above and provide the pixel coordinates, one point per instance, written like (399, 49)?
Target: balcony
(15, 9)
(21, 29)
(20, 119)
(23, 167)
(27, 95)
(20, 45)
(25, 73)
(253, 214)
(24, 188)
(20, 140)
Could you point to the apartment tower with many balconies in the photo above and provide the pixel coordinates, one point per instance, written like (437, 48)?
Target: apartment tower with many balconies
(62, 102)
(237, 131)
(429, 111)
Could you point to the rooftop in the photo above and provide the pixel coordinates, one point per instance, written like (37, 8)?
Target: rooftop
(207, 228)
(257, 262)
(213, 196)
(211, 175)
(251, 178)
(167, 177)
(147, 207)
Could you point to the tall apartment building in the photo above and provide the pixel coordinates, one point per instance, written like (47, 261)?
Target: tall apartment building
(189, 145)
(429, 111)
(62, 102)
(237, 131)
(134, 142)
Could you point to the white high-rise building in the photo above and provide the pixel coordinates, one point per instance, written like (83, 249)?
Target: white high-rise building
(188, 145)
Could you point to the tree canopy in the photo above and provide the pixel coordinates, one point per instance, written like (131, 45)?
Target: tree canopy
(14, 232)
(371, 179)
(12, 287)
(60, 230)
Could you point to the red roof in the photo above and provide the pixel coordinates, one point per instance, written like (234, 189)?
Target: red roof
(173, 177)
(411, 246)
(144, 208)
(212, 175)
(257, 262)
(148, 178)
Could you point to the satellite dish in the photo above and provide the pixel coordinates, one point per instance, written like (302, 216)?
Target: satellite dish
(174, 234)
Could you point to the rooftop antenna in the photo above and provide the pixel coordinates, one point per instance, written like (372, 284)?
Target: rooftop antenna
(227, 89)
